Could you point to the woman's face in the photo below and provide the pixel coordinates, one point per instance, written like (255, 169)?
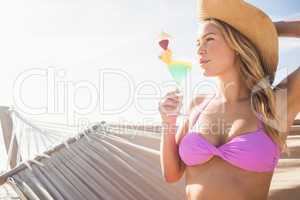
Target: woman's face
(215, 56)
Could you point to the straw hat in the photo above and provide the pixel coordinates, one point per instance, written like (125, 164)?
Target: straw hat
(250, 21)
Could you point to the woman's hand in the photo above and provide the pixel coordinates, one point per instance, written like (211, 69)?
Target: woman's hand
(288, 28)
(169, 107)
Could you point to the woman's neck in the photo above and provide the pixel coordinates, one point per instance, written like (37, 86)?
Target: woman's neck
(232, 88)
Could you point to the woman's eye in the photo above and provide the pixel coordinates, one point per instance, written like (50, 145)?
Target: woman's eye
(208, 39)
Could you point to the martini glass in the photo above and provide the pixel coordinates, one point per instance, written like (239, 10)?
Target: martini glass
(178, 69)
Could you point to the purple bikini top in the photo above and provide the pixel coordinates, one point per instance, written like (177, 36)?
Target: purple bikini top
(252, 151)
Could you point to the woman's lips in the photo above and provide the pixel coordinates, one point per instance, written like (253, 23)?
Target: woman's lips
(204, 61)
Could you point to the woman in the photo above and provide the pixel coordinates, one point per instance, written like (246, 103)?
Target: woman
(230, 144)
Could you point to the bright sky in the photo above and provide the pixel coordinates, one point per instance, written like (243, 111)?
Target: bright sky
(53, 54)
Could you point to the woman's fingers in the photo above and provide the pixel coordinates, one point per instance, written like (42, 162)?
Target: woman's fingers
(170, 105)
(174, 100)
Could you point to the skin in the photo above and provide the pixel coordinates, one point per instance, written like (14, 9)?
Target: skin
(217, 179)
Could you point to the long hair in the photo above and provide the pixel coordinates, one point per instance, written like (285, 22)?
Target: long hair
(258, 79)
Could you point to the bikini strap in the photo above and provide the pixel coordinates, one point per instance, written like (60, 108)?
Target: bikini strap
(201, 108)
(260, 121)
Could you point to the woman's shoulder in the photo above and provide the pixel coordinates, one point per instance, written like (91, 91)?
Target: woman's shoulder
(197, 101)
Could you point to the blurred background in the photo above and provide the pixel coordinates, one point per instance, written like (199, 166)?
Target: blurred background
(78, 61)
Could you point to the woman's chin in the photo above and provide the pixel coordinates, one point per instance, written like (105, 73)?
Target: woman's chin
(208, 71)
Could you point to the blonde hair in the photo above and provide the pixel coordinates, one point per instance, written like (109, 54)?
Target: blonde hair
(254, 72)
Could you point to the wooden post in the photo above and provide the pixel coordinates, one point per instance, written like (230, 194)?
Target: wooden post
(7, 130)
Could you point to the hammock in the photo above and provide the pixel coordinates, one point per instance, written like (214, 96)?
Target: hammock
(95, 165)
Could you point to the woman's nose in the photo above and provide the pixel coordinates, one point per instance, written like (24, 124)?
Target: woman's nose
(201, 50)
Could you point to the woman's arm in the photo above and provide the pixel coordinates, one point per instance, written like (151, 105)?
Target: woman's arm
(288, 28)
(172, 166)
(172, 169)
(288, 90)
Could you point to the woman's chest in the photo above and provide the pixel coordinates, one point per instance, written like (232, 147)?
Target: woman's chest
(219, 126)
